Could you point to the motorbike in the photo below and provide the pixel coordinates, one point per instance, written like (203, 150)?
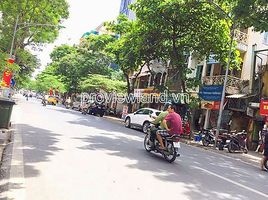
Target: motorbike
(208, 137)
(186, 129)
(84, 109)
(238, 142)
(97, 109)
(44, 103)
(266, 164)
(171, 143)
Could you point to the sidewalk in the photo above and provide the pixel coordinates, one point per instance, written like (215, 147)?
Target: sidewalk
(251, 157)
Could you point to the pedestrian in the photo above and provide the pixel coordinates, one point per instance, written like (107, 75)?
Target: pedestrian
(260, 141)
(265, 146)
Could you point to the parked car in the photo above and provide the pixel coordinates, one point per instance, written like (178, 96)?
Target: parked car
(141, 118)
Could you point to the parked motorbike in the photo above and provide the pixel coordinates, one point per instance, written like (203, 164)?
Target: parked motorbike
(84, 109)
(266, 164)
(238, 142)
(97, 109)
(171, 143)
(44, 103)
(208, 137)
(186, 129)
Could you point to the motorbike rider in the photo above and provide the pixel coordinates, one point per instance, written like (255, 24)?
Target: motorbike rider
(265, 154)
(159, 119)
(172, 123)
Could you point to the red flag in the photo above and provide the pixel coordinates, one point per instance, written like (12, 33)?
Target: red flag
(7, 75)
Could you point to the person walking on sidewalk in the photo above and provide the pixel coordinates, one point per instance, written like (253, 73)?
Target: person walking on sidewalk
(260, 142)
(265, 148)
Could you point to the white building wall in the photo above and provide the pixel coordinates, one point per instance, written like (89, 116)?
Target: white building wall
(257, 39)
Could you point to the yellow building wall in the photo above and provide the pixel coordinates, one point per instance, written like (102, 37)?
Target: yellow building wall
(265, 81)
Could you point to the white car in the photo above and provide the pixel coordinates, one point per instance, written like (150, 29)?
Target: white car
(141, 118)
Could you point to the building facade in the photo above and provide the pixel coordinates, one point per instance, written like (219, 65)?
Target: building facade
(124, 9)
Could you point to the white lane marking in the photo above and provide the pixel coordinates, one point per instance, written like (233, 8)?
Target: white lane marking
(16, 186)
(233, 182)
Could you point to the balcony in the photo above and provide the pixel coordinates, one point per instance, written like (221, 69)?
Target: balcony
(242, 40)
(234, 85)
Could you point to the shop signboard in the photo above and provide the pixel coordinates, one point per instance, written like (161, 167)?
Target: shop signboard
(210, 105)
(211, 92)
(264, 107)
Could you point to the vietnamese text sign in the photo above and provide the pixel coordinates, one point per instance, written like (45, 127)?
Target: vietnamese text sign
(211, 92)
(264, 107)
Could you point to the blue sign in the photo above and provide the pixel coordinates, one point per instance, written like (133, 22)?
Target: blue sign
(211, 92)
(212, 60)
(12, 82)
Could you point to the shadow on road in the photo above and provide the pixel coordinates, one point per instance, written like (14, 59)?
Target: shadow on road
(188, 170)
(38, 145)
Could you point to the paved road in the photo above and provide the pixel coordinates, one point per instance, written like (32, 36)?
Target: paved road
(60, 154)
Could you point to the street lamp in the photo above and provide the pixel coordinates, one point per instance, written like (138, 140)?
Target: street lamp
(16, 29)
(232, 28)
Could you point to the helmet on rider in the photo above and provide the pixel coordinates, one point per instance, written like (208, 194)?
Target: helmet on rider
(166, 105)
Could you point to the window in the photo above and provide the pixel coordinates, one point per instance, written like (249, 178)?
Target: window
(157, 79)
(199, 70)
(147, 112)
(140, 112)
(163, 78)
(209, 66)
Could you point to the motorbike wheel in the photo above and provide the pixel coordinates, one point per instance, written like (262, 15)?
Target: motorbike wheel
(245, 150)
(205, 142)
(266, 164)
(147, 146)
(231, 147)
(171, 153)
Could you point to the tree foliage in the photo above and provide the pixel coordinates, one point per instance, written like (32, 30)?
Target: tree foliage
(177, 28)
(98, 82)
(38, 23)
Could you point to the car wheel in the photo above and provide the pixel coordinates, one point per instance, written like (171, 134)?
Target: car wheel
(145, 127)
(127, 122)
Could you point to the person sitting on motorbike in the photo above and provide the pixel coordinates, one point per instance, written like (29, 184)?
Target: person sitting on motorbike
(172, 123)
(159, 120)
(265, 148)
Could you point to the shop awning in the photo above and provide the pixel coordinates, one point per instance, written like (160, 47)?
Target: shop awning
(236, 96)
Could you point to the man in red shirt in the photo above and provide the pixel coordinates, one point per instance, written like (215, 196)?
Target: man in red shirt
(172, 123)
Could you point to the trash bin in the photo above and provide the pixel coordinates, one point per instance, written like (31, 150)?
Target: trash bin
(6, 106)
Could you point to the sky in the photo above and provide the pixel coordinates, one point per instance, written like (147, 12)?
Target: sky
(85, 15)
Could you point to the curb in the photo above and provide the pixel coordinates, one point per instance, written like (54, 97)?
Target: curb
(5, 139)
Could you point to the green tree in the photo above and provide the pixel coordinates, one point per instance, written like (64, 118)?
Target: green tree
(179, 27)
(38, 23)
(47, 79)
(98, 82)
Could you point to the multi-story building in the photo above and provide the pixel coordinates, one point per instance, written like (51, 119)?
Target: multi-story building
(243, 86)
(124, 9)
